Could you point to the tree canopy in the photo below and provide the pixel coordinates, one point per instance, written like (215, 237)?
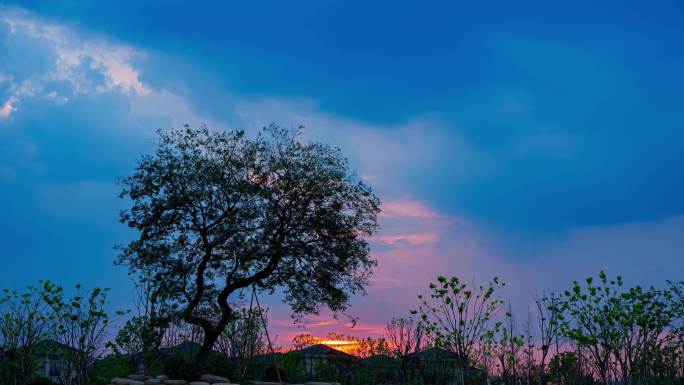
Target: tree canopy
(218, 212)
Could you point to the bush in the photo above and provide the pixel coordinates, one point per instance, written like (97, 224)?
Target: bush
(180, 367)
(221, 365)
(112, 366)
(271, 374)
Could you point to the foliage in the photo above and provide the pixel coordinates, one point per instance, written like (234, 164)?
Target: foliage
(458, 316)
(24, 321)
(221, 365)
(143, 333)
(507, 348)
(244, 338)
(274, 373)
(78, 326)
(549, 322)
(217, 213)
(180, 333)
(109, 367)
(291, 366)
(565, 368)
(620, 327)
(44, 323)
(404, 335)
(181, 367)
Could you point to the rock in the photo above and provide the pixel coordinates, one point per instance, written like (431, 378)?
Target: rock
(134, 382)
(210, 378)
(120, 381)
(266, 383)
(153, 381)
(224, 383)
(137, 377)
(162, 377)
(175, 382)
(199, 383)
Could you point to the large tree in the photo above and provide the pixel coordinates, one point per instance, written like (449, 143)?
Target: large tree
(217, 212)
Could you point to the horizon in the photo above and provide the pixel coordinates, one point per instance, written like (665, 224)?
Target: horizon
(539, 143)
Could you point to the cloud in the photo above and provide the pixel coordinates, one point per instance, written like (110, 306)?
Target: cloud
(408, 209)
(76, 109)
(410, 239)
(6, 109)
(645, 253)
(422, 155)
(86, 65)
(173, 109)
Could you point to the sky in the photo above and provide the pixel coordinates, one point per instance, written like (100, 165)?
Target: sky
(539, 142)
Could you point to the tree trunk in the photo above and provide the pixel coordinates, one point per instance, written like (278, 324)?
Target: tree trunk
(211, 332)
(210, 338)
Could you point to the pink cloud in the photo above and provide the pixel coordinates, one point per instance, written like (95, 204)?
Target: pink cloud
(410, 239)
(408, 209)
(6, 109)
(321, 324)
(362, 329)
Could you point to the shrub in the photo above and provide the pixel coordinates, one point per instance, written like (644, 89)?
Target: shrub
(179, 367)
(221, 366)
(113, 366)
(271, 373)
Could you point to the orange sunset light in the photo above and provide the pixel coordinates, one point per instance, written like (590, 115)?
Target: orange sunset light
(348, 347)
(338, 343)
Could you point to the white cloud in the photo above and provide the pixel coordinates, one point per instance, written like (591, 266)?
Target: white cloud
(171, 106)
(88, 65)
(384, 153)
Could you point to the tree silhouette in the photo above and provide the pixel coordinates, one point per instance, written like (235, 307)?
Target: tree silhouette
(217, 213)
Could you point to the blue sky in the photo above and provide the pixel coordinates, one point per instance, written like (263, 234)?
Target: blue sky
(537, 141)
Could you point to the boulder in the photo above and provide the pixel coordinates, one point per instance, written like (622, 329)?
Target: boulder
(199, 383)
(162, 377)
(120, 381)
(175, 382)
(134, 382)
(210, 378)
(137, 377)
(266, 383)
(224, 383)
(153, 381)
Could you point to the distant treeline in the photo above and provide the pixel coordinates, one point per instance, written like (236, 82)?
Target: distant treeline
(599, 331)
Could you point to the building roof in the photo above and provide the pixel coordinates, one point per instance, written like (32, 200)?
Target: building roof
(321, 350)
(45, 346)
(437, 354)
(433, 354)
(379, 360)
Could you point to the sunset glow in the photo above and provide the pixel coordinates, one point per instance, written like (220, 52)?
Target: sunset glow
(349, 347)
(338, 343)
